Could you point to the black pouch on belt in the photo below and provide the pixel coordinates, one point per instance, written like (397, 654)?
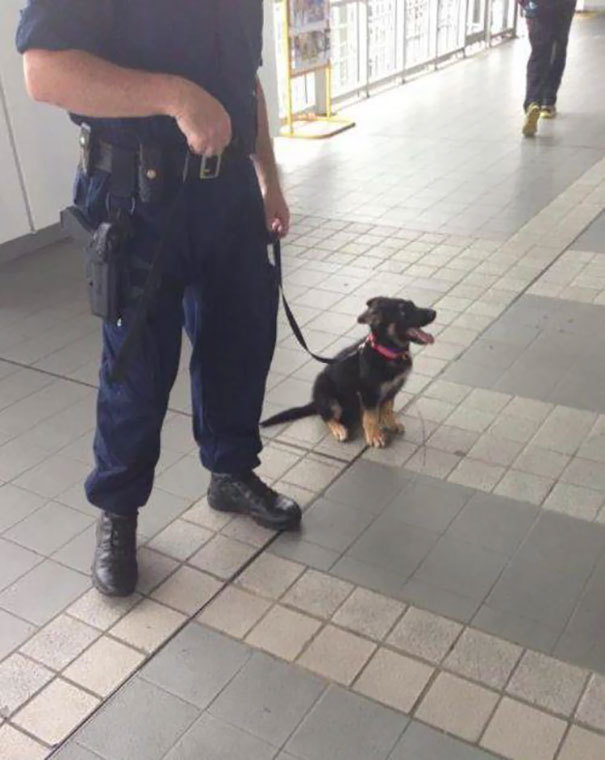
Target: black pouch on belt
(105, 270)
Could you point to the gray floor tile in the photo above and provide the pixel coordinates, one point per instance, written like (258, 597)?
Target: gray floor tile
(391, 544)
(291, 546)
(43, 592)
(420, 742)
(429, 503)
(333, 525)
(439, 600)
(140, 721)
(268, 698)
(13, 632)
(212, 739)
(462, 568)
(517, 628)
(16, 505)
(196, 665)
(370, 576)
(48, 528)
(345, 726)
(367, 486)
(78, 552)
(73, 751)
(15, 561)
(593, 237)
(494, 522)
(161, 509)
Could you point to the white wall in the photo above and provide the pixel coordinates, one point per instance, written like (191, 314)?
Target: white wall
(44, 138)
(46, 141)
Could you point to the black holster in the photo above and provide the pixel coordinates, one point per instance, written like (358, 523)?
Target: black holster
(106, 262)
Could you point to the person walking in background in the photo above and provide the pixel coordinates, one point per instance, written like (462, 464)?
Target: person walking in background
(548, 23)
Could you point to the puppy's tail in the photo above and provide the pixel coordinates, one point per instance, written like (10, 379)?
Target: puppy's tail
(289, 415)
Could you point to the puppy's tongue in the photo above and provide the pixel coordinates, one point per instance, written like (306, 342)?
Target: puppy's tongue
(422, 337)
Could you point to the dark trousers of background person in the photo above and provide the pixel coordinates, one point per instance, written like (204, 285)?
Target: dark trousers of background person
(548, 35)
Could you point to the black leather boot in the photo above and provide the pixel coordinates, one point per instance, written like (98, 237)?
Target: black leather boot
(248, 495)
(114, 568)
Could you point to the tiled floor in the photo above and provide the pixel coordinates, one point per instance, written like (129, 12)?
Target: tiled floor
(452, 582)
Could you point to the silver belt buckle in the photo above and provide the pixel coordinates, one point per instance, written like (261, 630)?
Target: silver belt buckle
(210, 166)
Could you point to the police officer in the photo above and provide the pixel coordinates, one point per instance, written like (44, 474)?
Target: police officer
(154, 83)
(548, 23)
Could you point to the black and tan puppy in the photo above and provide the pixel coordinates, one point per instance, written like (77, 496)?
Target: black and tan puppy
(364, 379)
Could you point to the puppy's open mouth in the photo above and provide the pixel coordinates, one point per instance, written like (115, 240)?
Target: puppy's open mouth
(419, 336)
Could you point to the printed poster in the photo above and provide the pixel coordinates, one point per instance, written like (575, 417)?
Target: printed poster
(310, 34)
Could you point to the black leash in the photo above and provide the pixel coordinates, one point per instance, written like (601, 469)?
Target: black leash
(276, 242)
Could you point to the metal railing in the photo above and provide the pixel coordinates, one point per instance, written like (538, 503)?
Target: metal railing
(376, 42)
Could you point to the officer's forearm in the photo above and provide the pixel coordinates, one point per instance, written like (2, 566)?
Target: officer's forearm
(90, 86)
(264, 157)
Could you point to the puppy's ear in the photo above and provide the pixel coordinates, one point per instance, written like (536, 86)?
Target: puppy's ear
(370, 316)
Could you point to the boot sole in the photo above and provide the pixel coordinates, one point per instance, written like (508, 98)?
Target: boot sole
(286, 525)
(116, 593)
(530, 126)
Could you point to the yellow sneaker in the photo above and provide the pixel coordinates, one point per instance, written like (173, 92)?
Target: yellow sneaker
(548, 112)
(530, 125)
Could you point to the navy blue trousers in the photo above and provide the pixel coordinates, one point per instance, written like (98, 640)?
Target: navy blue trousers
(548, 35)
(220, 285)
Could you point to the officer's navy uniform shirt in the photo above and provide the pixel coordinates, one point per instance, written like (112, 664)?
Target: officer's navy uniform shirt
(215, 43)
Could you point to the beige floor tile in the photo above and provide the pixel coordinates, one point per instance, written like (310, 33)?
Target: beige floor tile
(469, 418)
(234, 611)
(148, 625)
(547, 683)
(245, 530)
(369, 613)
(188, 590)
(543, 462)
(56, 711)
(17, 746)
(487, 401)
(524, 487)
(523, 733)
(60, 642)
(458, 707)
(574, 501)
(20, 679)
(520, 429)
(581, 744)
(454, 440)
(565, 429)
(269, 575)
(313, 472)
(425, 635)
(153, 569)
(493, 450)
(476, 474)
(396, 454)
(591, 709)
(302, 496)
(202, 514)
(432, 462)
(393, 679)
(483, 658)
(525, 408)
(337, 655)
(101, 611)
(283, 632)
(104, 666)
(222, 556)
(446, 391)
(431, 409)
(180, 539)
(317, 593)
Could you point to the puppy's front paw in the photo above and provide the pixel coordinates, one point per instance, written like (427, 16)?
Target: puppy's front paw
(393, 426)
(376, 438)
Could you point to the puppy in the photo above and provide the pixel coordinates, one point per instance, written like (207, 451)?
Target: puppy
(364, 379)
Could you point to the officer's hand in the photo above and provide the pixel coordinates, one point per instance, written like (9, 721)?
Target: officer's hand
(277, 213)
(203, 121)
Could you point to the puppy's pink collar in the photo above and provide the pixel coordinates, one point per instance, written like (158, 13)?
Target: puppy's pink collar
(388, 353)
